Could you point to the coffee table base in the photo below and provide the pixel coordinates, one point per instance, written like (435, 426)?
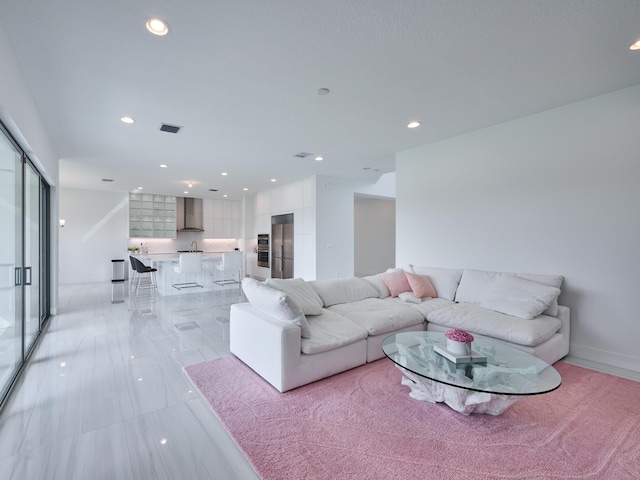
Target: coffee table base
(459, 399)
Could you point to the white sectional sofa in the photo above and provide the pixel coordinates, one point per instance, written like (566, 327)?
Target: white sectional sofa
(293, 332)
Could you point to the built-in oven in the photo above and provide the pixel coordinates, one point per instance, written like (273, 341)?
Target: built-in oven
(263, 240)
(263, 250)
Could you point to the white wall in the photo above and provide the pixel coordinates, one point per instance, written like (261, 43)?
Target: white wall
(20, 115)
(556, 192)
(335, 222)
(95, 232)
(374, 235)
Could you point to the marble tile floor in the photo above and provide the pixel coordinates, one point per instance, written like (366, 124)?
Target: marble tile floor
(104, 395)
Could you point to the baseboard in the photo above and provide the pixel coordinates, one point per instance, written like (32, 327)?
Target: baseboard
(603, 367)
(604, 357)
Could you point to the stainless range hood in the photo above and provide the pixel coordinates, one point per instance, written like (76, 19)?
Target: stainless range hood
(189, 214)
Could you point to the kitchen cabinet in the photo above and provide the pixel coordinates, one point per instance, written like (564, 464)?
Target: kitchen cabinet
(152, 216)
(222, 218)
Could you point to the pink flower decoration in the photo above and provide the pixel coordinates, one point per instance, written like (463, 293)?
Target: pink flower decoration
(458, 335)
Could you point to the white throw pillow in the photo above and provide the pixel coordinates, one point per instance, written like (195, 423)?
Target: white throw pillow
(343, 290)
(409, 297)
(276, 304)
(519, 297)
(301, 293)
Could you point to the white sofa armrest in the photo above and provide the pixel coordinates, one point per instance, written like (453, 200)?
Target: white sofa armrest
(269, 346)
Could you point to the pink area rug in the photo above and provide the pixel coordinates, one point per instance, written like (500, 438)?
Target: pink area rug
(362, 424)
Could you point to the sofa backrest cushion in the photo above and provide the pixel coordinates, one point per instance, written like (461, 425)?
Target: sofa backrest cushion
(475, 285)
(378, 284)
(444, 280)
(519, 297)
(301, 293)
(276, 304)
(550, 280)
(343, 290)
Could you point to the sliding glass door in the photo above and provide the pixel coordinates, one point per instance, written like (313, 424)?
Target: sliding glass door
(31, 269)
(10, 262)
(24, 253)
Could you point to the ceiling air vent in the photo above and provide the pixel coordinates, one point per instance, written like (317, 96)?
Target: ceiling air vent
(107, 179)
(165, 127)
(303, 155)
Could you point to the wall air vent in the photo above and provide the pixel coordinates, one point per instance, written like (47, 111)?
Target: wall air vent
(303, 155)
(165, 127)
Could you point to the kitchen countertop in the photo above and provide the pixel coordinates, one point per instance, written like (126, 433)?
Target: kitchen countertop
(160, 257)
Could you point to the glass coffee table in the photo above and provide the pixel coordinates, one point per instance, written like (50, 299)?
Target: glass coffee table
(491, 386)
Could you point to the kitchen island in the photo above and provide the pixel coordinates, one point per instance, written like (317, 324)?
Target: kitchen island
(165, 276)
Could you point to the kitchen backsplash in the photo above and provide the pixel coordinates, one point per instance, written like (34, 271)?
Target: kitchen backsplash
(183, 242)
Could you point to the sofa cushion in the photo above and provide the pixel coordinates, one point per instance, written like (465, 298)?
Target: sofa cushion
(519, 297)
(444, 280)
(396, 281)
(378, 284)
(431, 304)
(330, 331)
(343, 290)
(552, 281)
(275, 303)
(482, 321)
(421, 286)
(475, 285)
(301, 293)
(379, 316)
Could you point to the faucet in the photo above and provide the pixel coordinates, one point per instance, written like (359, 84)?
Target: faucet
(196, 249)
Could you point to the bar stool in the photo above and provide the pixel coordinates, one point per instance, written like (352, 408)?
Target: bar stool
(230, 268)
(188, 263)
(141, 269)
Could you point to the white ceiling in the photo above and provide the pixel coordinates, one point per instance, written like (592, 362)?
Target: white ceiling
(241, 77)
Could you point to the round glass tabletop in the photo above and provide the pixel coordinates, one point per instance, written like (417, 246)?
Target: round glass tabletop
(495, 368)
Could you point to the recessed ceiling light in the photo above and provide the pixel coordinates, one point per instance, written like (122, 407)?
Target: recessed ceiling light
(127, 120)
(413, 124)
(273, 180)
(224, 174)
(245, 189)
(635, 46)
(319, 158)
(190, 185)
(140, 188)
(157, 26)
(186, 191)
(162, 165)
(225, 195)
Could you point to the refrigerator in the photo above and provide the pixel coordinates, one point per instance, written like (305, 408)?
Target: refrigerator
(282, 246)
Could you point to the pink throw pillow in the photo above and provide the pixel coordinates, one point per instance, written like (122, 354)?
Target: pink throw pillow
(421, 285)
(396, 282)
